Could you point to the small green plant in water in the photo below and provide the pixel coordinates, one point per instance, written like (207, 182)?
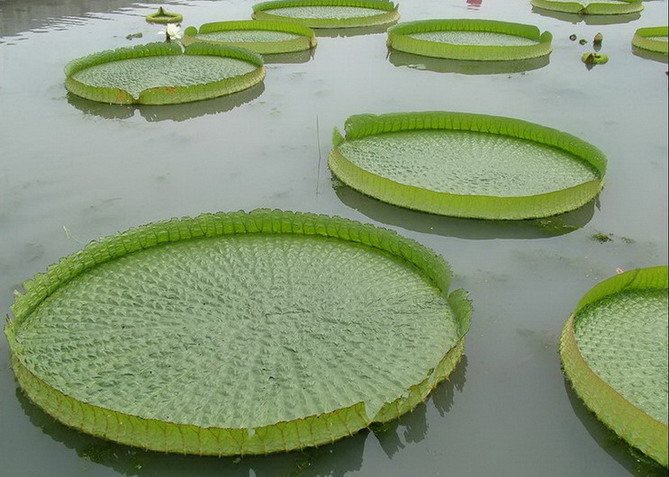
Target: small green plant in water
(602, 238)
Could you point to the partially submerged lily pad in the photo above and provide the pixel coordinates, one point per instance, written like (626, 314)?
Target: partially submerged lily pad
(614, 352)
(264, 37)
(652, 39)
(163, 16)
(593, 58)
(238, 333)
(467, 165)
(591, 7)
(160, 73)
(481, 40)
(329, 13)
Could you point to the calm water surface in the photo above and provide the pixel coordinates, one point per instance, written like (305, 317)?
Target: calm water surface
(97, 169)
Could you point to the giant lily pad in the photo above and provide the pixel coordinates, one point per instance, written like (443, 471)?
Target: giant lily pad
(467, 165)
(163, 16)
(652, 39)
(614, 352)
(264, 37)
(238, 333)
(160, 73)
(329, 13)
(482, 40)
(591, 7)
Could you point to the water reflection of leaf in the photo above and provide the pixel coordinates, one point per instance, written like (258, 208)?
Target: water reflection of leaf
(473, 229)
(400, 58)
(174, 112)
(631, 459)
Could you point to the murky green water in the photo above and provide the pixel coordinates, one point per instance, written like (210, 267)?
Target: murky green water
(97, 169)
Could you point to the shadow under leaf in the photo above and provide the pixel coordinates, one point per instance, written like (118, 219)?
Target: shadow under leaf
(415, 423)
(290, 58)
(174, 112)
(348, 32)
(630, 458)
(473, 229)
(440, 65)
(650, 55)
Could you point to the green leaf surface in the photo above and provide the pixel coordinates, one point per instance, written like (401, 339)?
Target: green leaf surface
(614, 351)
(219, 335)
(481, 40)
(467, 165)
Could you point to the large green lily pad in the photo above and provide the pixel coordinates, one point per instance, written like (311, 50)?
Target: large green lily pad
(264, 37)
(481, 40)
(467, 165)
(161, 73)
(652, 39)
(329, 13)
(591, 7)
(614, 352)
(238, 333)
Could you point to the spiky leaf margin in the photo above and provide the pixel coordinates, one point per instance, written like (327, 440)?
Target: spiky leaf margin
(629, 6)
(389, 13)
(472, 206)
(188, 439)
(306, 41)
(628, 421)
(643, 39)
(399, 39)
(164, 94)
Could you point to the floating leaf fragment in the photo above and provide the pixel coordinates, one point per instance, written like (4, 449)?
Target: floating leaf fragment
(594, 58)
(261, 36)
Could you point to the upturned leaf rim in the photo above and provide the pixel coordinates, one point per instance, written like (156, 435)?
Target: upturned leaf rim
(595, 8)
